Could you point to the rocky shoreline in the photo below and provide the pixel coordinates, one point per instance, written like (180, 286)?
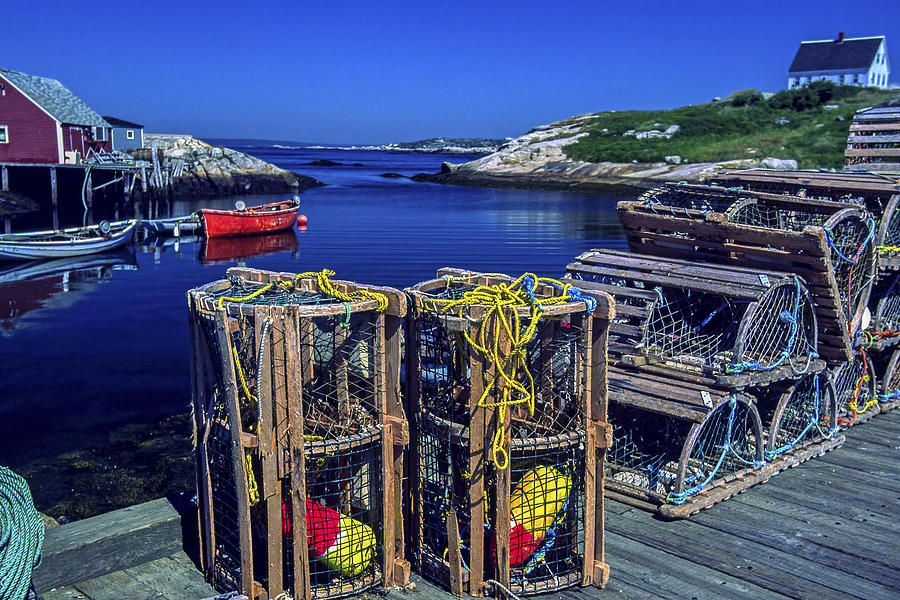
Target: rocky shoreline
(537, 160)
(200, 169)
(437, 145)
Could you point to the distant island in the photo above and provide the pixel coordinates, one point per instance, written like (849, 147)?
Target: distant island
(624, 151)
(437, 145)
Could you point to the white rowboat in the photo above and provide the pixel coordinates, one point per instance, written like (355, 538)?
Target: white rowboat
(74, 241)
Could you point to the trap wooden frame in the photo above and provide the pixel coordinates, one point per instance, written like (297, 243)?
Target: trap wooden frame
(474, 437)
(643, 273)
(282, 418)
(709, 237)
(880, 193)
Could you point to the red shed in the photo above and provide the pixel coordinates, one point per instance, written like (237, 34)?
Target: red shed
(41, 121)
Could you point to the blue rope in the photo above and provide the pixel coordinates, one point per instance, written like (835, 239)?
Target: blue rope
(682, 497)
(772, 454)
(573, 293)
(21, 536)
(706, 321)
(792, 318)
(837, 251)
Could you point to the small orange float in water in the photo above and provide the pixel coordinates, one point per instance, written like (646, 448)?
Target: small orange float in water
(301, 219)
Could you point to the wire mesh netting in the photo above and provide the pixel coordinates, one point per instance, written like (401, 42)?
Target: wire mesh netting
(546, 505)
(546, 456)
(854, 386)
(850, 240)
(701, 329)
(646, 449)
(891, 239)
(674, 460)
(802, 415)
(343, 515)
(890, 382)
(225, 571)
(704, 199)
(334, 355)
(887, 311)
(554, 360)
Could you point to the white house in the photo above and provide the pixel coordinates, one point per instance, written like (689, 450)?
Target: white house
(845, 61)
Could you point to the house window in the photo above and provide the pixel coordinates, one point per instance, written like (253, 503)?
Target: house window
(129, 134)
(4, 134)
(99, 134)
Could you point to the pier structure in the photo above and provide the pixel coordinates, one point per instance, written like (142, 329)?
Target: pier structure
(59, 187)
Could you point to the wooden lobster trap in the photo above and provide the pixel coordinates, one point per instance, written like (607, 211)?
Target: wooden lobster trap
(883, 332)
(828, 244)
(680, 446)
(800, 419)
(299, 430)
(855, 389)
(508, 384)
(878, 193)
(712, 324)
(889, 382)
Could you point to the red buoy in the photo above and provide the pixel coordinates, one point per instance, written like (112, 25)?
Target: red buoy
(301, 219)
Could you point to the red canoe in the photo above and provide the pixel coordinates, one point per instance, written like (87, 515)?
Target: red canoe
(256, 219)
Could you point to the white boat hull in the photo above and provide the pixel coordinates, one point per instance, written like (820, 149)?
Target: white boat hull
(29, 246)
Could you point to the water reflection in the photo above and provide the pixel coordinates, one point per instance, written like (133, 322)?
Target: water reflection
(215, 251)
(45, 285)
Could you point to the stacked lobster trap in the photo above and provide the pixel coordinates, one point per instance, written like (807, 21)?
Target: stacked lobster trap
(299, 431)
(830, 245)
(507, 380)
(877, 332)
(690, 348)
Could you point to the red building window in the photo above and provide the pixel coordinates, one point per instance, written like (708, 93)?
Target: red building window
(4, 134)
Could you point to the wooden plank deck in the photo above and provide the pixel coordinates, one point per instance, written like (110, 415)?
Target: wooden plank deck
(827, 528)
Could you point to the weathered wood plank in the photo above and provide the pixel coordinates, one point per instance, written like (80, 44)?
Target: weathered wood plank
(107, 543)
(775, 570)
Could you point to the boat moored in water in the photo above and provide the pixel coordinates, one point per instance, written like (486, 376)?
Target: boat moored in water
(74, 241)
(267, 218)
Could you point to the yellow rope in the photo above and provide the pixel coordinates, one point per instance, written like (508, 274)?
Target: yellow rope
(252, 489)
(886, 249)
(326, 287)
(508, 366)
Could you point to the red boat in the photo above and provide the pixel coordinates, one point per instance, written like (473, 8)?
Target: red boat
(248, 221)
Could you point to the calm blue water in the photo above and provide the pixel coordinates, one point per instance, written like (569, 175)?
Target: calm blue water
(87, 354)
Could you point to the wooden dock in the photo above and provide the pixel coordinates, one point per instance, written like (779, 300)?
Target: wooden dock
(827, 528)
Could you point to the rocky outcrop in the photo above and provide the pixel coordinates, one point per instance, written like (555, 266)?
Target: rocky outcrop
(537, 160)
(199, 169)
(437, 145)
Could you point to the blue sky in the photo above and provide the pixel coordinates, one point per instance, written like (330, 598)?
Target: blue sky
(377, 72)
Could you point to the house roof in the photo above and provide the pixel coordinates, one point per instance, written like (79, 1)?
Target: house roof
(121, 122)
(55, 98)
(829, 55)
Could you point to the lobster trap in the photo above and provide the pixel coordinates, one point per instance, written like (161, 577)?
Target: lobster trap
(510, 432)
(884, 330)
(679, 446)
(879, 194)
(854, 389)
(714, 324)
(889, 383)
(299, 431)
(799, 415)
(828, 244)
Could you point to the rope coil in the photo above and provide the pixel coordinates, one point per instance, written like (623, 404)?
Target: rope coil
(21, 535)
(509, 366)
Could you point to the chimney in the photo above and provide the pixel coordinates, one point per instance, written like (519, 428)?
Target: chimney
(840, 39)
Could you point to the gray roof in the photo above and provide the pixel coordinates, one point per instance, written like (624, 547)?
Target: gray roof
(55, 98)
(831, 55)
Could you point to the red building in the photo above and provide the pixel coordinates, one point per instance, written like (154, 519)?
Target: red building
(42, 121)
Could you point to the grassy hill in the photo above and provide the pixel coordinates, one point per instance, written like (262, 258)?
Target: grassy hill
(808, 124)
